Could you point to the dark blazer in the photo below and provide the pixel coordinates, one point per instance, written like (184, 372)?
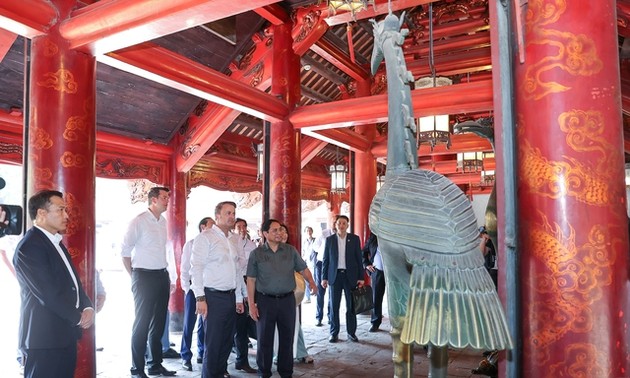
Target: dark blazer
(354, 269)
(369, 250)
(48, 316)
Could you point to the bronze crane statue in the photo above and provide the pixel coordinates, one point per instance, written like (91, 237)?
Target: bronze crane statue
(439, 292)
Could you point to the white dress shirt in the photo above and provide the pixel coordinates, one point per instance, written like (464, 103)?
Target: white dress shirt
(56, 239)
(244, 249)
(184, 266)
(341, 247)
(145, 242)
(214, 263)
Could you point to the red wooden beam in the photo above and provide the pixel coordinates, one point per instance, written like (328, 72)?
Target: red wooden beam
(460, 143)
(458, 63)
(13, 125)
(339, 59)
(28, 18)
(273, 13)
(112, 25)
(342, 137)
(454, 99)
(6, 41)
(310, 148)
(175, 71)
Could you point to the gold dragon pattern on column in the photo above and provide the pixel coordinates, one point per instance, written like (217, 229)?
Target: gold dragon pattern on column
(571, 261)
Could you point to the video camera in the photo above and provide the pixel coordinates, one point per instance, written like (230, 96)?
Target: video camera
(10, 217)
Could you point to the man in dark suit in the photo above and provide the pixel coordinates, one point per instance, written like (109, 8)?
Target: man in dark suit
(343, 271)
(373, 263)
(54, 308)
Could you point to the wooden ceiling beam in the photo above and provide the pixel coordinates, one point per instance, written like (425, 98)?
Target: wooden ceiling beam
(451, 45)
(7, 39)
(173, 70)
(342, 137)
(322, 71)
(107, 26)
(455, 64)
(28, 18)
(310, 148)
(309, 93)
(273, 13)
(454, 99)
(339, 59)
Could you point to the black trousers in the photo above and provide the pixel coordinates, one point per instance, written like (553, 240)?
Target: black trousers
(190, 317)
(275, 312)
(378, 292)
(150, 295)
(342, 284)
(245, 327)
(46, 363)
(321, 293)
(219, 326)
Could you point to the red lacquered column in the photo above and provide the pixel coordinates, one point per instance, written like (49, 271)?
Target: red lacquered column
(61, 151)
(284, 168)
(177, 238)
(572, 227)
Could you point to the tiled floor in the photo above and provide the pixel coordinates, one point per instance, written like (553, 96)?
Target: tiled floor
(369, 358)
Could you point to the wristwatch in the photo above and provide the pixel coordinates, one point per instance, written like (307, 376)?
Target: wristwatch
(201, 298)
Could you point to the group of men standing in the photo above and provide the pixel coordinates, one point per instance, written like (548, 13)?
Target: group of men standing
(227, 279)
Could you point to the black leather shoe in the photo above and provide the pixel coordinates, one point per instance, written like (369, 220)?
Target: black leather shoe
(353, 338)
(161, 370)
(200, 360)
(373, 328)
(246, 368)
(170, 353)
(319, 324)
(333, 339)
(187, 365)
(139, 375)
(226, 375)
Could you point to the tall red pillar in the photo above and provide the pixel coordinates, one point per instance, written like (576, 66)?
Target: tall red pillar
(364, 174)
(177, 238)
(284, 167)
(573, 231)
(61, 150)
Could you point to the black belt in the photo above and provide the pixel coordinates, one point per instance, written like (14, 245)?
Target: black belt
(219, 291)
(149, 270)
(341, 270)
(277, 296)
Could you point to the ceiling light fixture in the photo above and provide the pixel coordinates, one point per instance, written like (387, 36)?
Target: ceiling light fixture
(353, 6)
(338, 173)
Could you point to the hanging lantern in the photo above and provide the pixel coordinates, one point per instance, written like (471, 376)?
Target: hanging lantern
(470, 161)
(260, 160)
(434, 129)
(338, 173)
(353, 6)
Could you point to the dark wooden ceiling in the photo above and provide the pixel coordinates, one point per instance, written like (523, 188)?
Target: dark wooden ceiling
(133, 106)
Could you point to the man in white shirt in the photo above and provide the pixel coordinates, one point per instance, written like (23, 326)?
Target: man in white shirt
(244, 324)
(144, 257)
(217, 283)
(190, 306)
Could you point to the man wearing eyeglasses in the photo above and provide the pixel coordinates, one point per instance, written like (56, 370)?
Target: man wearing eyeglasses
(270, 283)
(144, 257)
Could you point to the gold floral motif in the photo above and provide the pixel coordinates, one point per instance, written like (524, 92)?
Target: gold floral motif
(581, 360)
(576, 54)
(50, 48)
(556, 179)
(584, 129)
(62, 81)
(574, 278)
(70, 160)
(75, 128)
(75, 215)
(40, 139)
(43, 177)
(309, 21)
